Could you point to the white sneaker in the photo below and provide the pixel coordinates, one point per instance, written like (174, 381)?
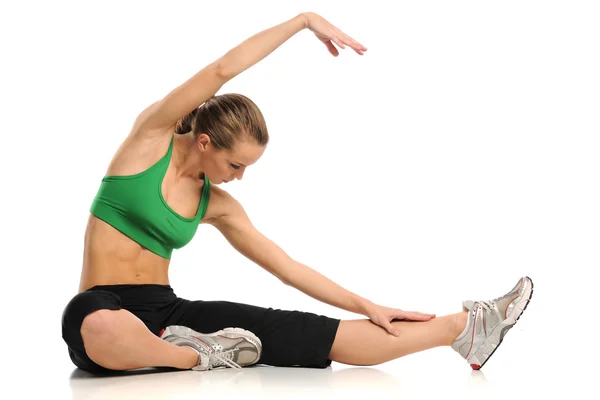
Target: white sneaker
(230, 347)
(489, 321)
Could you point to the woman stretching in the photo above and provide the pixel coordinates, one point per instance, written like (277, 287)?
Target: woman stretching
(162, 183)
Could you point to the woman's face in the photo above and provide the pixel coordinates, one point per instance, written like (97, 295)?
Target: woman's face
(222, 166)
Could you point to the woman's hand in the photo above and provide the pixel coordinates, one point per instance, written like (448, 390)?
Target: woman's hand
(383, 316)
(328, 33)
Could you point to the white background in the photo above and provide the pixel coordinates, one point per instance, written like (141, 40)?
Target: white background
(458, 154)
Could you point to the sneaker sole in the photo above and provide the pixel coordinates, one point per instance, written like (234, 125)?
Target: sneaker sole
(500, 331)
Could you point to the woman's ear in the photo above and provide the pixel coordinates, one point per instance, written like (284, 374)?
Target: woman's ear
(202, 141)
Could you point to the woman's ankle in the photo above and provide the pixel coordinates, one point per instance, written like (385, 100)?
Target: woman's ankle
(458, 326)
(189, 358)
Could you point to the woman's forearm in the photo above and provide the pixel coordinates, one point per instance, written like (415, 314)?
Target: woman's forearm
(321, 288)
(258, 46)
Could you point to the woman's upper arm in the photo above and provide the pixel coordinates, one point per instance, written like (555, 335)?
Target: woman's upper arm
(163, 114)
(239, 231)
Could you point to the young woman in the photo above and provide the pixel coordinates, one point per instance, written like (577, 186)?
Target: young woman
(161, 184)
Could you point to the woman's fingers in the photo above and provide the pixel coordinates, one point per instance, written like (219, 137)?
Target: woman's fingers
(342, 43)
(418, 316)
(338, 41)
(332, 49)
(350, 41)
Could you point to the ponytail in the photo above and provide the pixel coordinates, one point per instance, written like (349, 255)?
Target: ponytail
(185, 124)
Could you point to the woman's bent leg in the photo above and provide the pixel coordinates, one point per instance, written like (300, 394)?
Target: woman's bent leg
(115, 327)
(361, 342)
(118, 340)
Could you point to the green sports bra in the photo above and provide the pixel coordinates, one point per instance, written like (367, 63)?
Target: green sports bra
(134, 205)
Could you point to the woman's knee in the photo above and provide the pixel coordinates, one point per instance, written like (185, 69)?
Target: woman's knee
(99, 323)
(89, 308)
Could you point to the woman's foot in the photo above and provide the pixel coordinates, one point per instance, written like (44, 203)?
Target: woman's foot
(230, 347)
(488, 322)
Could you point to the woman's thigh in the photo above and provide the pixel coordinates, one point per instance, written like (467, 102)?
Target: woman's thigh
(289, 338)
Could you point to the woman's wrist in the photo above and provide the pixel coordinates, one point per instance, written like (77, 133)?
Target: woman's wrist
(304, 19)
(363, 305)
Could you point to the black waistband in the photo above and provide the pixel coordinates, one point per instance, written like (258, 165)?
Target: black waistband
(125, 286)
(139, 291)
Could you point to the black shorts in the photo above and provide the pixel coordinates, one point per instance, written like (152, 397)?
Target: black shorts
(289, 338)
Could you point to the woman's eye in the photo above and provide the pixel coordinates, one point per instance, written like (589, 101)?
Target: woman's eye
(235, 166)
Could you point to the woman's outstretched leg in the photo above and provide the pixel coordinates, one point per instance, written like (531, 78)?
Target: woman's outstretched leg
(361, 342)
(474, 333)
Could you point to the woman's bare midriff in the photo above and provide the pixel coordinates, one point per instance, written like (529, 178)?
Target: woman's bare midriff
(111, 258)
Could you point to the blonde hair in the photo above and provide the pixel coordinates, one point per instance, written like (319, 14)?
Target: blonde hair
(224, 119)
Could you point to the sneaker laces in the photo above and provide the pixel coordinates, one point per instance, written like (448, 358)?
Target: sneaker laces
(488, 304)
(216, 359)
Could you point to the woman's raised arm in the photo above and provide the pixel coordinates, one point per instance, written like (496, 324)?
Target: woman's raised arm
(203, 85)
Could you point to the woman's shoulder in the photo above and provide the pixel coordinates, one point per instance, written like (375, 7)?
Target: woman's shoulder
(221, 203)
